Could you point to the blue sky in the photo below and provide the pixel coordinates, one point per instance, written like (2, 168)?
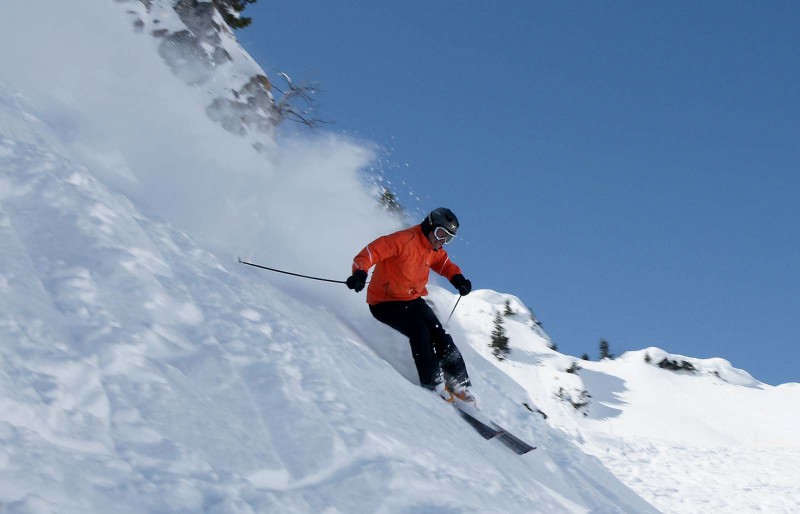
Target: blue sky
(630, 170)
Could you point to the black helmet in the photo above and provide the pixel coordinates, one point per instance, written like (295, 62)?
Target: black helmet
(441, 217)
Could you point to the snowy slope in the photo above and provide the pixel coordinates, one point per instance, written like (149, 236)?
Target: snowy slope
(142, 375)
(709, 440)
(143, 370)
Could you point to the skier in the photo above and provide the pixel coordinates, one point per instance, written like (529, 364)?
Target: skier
(402, 263)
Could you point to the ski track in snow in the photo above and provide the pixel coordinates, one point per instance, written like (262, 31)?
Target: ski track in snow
(691, 479)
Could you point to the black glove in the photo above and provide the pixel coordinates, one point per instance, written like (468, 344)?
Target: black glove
(357, 280)
(463, 285)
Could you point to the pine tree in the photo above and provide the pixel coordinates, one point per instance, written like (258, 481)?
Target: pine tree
(230, 9)
(605, 350)
(508, 311)
(499, 342)
(585, 357)
(390, 202)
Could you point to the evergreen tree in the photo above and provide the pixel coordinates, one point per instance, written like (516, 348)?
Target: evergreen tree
(390, 202)
(605, 350)
(499, 342)
(508, 311)
(585, 357)
(230, 9)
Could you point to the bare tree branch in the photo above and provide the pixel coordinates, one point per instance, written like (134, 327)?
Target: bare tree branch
(297, 103)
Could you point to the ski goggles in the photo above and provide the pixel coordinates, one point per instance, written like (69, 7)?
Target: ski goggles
(442, 234)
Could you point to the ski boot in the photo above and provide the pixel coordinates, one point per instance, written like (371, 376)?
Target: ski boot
(458, 393)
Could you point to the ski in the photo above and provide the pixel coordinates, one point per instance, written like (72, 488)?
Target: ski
(491, 430)
(486, 431)
(513, 442)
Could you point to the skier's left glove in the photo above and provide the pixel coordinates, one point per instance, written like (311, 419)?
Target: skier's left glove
(357, 280)
(463, 285)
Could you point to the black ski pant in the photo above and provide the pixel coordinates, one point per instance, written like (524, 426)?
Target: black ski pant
(435, 353)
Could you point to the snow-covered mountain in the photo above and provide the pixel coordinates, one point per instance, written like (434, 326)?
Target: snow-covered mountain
(689, 435)
(142, 369)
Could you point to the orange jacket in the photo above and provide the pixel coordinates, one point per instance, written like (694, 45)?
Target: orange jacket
(402, 262)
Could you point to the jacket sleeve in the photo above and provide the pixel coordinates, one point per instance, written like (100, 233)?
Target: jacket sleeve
(378, 250)
(444, 266)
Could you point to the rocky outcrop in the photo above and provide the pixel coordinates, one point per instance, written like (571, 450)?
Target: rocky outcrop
(194, 53)
(202, 51)
(250, 108)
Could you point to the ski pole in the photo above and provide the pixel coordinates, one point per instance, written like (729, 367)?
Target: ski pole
(290, 273)
(451, 312)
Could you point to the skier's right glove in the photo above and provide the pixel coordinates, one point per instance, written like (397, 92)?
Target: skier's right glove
(357, 280)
